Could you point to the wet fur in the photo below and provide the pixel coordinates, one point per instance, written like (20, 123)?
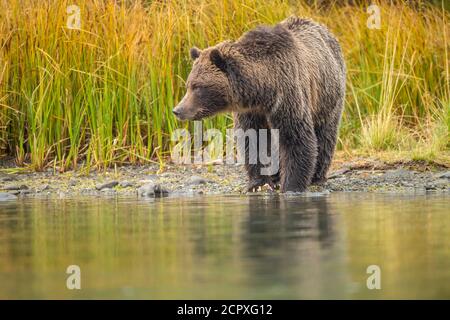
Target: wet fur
(290, 77)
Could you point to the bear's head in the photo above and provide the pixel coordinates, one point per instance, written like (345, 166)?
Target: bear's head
(208, 87)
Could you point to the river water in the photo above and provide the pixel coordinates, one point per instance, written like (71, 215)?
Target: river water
(241, 247)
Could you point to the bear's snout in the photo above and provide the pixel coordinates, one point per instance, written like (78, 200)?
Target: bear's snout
(180, 112)
(186, 108)
(176, 111)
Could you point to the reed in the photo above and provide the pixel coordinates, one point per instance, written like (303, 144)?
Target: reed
(104, 94)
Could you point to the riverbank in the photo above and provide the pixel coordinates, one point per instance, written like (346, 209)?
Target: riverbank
(355, 175)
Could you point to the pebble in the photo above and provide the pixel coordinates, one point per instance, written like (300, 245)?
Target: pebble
(5, 196)
(441, 183)
(338, 173)
(147, 189)
(7, 178)
(126, 184)
(108, 192)
(196, 180)
(443, 175)
(107, 185)
(397, 174)
(16, 187)
(152, 189)
(44, 187)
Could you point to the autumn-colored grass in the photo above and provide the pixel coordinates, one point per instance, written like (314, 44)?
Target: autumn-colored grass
(104, 94)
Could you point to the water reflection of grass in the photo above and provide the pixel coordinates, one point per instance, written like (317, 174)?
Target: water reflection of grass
(404, 237)
(105, 93)
(227, 247)
(153, 246)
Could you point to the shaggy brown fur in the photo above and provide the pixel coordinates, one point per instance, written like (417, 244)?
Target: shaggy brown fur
(290, 77)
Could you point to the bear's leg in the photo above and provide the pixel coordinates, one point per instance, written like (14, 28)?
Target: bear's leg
(298, 151)
(326, 134)
(246, 121)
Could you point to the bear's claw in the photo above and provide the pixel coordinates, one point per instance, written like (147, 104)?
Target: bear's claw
(255, 183)
(271, 181)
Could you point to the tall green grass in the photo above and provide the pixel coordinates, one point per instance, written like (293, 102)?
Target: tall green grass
(104, 94)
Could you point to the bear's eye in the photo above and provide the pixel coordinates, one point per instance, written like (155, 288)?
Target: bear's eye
(196, 87)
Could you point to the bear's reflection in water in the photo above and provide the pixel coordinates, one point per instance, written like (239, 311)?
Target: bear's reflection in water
(279, 221)
(276, 242)
(284, 235)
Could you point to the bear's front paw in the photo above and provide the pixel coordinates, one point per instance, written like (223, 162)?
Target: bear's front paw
(255, 183)
(274, 181)
(319, 181)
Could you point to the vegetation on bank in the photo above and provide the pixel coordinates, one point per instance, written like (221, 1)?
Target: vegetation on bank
(104, 94)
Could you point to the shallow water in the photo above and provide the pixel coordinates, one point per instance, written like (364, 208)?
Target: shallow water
(260, 247)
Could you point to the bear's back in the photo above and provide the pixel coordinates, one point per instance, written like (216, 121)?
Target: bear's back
(314, 35)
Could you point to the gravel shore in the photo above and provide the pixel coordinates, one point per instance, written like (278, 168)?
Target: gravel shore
(147, 180)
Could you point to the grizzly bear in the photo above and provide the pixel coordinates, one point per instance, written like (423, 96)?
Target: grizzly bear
(289, 77)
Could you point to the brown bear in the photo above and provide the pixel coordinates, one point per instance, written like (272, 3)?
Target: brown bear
(289, 77)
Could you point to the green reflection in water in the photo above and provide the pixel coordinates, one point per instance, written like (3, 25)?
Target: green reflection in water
(227, 247)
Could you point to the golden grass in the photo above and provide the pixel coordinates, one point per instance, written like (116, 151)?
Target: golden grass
(104, 94)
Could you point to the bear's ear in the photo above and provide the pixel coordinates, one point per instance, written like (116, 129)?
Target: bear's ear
(218, 60)
(195, 53)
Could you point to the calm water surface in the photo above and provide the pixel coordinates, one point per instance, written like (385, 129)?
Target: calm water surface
(243, 247)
